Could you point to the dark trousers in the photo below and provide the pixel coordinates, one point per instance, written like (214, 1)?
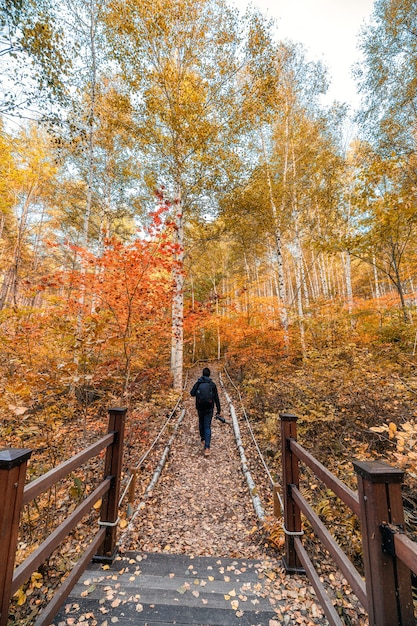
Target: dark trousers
(204, 424)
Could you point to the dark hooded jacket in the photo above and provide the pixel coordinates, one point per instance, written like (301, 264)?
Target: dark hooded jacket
(206, 379)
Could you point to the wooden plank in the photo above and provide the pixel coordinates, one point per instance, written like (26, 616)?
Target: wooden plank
(13, 465)
(347, 495)
(64, 590)
(349, 571)
(44, 482)
(46, 548)
(406, 551)
(290, 476)
(325, 602)
(402, 571)
(170, 614)
(379, 489)
(113, 467)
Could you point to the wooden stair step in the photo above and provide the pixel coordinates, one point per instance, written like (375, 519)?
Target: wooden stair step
(161, 589)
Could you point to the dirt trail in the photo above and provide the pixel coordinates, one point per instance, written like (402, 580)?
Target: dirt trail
(200, 505)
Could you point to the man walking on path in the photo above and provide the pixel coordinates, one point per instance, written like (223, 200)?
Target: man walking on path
(206, 396)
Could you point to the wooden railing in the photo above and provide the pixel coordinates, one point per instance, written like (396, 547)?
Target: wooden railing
(389, 555)
(14, 495)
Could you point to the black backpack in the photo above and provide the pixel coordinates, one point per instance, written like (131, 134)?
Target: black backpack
(205, 394)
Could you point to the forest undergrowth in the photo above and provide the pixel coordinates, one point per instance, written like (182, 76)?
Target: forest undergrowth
(352, 403)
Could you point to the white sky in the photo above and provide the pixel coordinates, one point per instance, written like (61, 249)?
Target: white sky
(328, 29)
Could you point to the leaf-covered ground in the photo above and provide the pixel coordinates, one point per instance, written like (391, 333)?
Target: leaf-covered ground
(202, 506)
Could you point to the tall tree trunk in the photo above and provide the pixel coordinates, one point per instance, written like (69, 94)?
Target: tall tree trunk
(348, 279)
(216, 295)
(11, 279)
(299, 275)
(177, 337)
(323, 277)
(91, 122)
(277, 235)
(376, 280)
(399, 286)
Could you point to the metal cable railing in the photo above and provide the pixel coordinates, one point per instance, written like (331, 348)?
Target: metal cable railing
(145, 456)
(253, 437)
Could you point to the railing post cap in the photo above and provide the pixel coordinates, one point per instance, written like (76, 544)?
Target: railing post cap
(378, 472)
(289, 417)
(118, 409)
(12, 457)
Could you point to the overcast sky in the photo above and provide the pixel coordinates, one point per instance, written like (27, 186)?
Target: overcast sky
(328, 29)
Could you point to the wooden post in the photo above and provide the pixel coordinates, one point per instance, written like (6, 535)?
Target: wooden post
(113, 467)
(277, 505)
(290, 476)
(388, 581)
(13, 463)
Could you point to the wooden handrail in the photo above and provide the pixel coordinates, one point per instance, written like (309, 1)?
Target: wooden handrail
(55, 604)
(339, 557)
(329, 610)
(347, 495)
(44, 482)
(389, 555)
(38, 556)
(406, 551)
(13, 495)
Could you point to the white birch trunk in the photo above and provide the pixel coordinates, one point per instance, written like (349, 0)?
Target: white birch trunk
(348, 278)
(278, 241)
(376, 281)
(316, 285)
(323, 278)
(299, 276)
(177, 336)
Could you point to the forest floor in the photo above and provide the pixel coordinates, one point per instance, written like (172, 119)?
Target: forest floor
(199, 507)
(202, 506)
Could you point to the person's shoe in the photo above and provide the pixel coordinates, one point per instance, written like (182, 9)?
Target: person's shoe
(207, 452)
(203, 445)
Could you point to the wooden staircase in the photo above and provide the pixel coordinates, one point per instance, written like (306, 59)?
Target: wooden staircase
(160, 589)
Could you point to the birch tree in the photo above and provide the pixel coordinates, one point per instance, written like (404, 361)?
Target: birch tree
(179, 58)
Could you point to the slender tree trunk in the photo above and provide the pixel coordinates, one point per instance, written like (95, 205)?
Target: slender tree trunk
(12, 276)
(376, 280)
(323, 278)
(247, 291)
(177, 338)
(278, 240)
(90, 123)
(216, 295)
(399, 285)
(304, 278)
(348, 279)
(299, 275)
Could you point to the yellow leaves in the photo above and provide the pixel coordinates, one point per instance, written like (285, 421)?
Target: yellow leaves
(379, 429)
(21, 596)
(86, 592)
(392, 429)
(18, 410)
(36, 580)
(97, 504)
(405, 436)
